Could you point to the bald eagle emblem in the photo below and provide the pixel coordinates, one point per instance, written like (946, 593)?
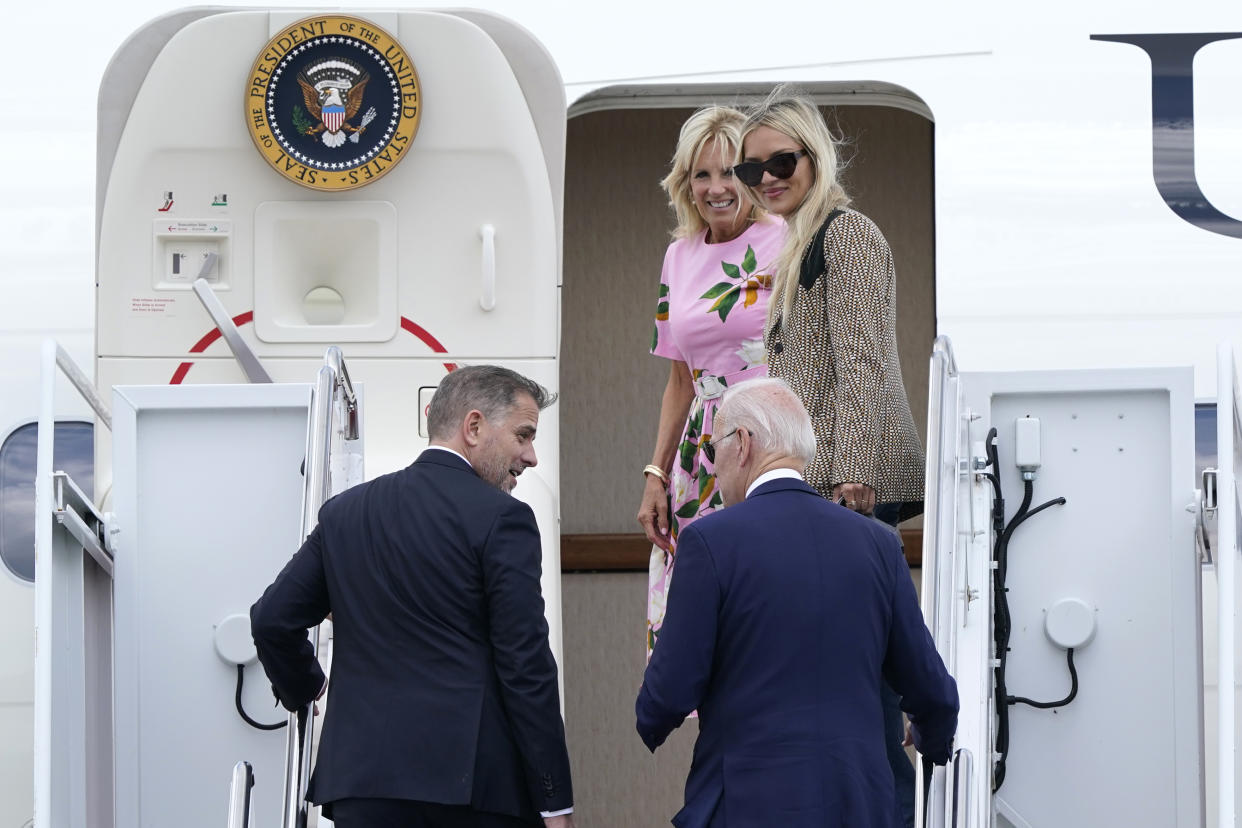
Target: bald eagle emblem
(332, 89)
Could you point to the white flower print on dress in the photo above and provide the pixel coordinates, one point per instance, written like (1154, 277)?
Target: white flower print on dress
(753, 352)
(681, 488)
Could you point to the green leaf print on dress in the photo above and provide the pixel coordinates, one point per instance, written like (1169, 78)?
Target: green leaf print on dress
(689, 447)
(689, 509)
(717, 289)
(707, 487)
(661, 315)
(746, 284)
(725, 304)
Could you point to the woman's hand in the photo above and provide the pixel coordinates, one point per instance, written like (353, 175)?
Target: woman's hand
(653, 513)
(858, 496)
(674, 406)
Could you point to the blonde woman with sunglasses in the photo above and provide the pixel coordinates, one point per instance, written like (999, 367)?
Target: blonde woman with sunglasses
(710, 314)
(831, 334)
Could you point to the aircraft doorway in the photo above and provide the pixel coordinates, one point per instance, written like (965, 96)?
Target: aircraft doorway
(616, 227)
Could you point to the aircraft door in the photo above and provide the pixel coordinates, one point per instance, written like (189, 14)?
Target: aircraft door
(389, 182)
(1084, 587)
(442, 214)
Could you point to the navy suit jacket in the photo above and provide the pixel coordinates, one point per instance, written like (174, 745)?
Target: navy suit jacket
(784, 613)
(443, 686)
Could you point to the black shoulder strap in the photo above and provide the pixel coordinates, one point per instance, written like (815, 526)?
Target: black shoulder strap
(814, 263)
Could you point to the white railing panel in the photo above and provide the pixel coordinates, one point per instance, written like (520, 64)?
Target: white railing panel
(1227, 444)
(73, 622)
(955, 592)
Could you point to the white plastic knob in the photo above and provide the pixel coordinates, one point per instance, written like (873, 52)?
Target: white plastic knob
(233, 640)
(1070, 623)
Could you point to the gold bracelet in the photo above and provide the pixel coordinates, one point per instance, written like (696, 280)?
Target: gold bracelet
(651, 468)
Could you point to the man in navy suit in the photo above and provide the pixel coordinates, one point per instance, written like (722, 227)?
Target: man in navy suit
(785, 612)
(444, 708)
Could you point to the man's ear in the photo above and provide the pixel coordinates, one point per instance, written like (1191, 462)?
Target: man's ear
(744, 447)
(471, 428)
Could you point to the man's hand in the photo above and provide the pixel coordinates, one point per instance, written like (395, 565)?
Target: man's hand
(858, 496)
(562, 821)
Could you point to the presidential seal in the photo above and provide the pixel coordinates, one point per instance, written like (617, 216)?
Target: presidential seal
(333, 102)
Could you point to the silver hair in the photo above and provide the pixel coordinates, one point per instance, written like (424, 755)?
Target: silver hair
(489, 389)
(772, 413)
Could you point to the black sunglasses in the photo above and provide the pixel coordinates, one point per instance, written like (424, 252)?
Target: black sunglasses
(709, 447)
(781, 165)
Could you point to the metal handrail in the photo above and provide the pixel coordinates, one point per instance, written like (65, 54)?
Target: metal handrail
(941, 434)
(333, 378)
(245, 356)
(69, 501)
(54, 357)
(939, 537)
(336, 361)
(239, 795)
(82, 384)
(1228, 438)
(963, 780)
(944, 347)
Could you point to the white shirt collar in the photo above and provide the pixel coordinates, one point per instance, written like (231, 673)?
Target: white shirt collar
(769, 476)
(452, 452)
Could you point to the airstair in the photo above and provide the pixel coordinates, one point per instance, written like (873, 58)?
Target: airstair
(1071, 615)
(214, 487)
(1064, 543)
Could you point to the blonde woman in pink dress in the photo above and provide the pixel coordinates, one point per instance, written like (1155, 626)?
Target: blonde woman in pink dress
(710, 315)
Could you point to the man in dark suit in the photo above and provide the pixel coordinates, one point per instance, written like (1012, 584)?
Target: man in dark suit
(444, 708)
(785, 611)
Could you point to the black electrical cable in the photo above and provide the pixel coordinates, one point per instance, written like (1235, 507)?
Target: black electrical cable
(1000, 612)
(241, 671)
(1069, 658)
(1001, 624)
(998, 505)
(1056, 501)
(995, 482)
(1001, 618)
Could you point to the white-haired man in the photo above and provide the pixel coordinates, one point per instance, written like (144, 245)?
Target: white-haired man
(786, 613)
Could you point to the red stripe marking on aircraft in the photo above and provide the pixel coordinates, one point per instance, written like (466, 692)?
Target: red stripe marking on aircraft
(179, 374)
(245, 318)
(429, 340)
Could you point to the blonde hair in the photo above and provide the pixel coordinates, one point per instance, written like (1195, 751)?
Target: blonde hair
(722, 123)
(796, 116)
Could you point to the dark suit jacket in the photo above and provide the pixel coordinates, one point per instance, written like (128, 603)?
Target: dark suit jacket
(443, 688)
(784, 612)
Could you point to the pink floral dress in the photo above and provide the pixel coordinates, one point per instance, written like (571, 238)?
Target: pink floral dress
(710, 315)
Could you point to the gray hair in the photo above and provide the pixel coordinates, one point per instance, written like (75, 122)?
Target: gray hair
(772, 413)
(487, 388)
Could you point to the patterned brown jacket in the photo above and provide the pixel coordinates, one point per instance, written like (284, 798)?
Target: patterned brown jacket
(838, 350)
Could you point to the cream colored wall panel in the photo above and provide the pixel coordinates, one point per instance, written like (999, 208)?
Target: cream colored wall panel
(476, 160)
(617, 782)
